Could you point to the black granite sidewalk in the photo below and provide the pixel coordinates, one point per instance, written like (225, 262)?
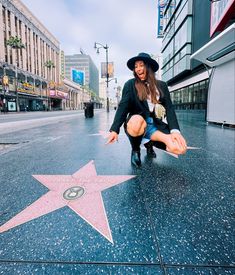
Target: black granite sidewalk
(87, 211)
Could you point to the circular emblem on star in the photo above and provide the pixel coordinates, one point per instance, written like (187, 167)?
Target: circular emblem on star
(74, 193)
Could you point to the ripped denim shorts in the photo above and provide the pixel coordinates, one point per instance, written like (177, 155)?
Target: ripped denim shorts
(151, 128)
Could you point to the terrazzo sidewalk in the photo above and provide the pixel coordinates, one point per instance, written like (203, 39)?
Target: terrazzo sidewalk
(69, 204)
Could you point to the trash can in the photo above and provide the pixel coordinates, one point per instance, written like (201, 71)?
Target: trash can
(89, 110)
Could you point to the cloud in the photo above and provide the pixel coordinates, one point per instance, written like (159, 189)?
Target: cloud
(127, 27)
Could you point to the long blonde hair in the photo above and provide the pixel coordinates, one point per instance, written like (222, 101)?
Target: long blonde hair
(148, 87)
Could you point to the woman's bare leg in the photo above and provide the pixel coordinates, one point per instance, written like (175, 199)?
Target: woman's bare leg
(135, 129)
(136, 126)
(171, 146)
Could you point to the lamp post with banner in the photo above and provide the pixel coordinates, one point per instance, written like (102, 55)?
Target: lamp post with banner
(49, 65)
(98, 46)
(5, 85)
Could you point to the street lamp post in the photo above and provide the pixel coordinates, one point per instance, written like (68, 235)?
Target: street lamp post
(98, 46)
(49, 65)
(5, 84)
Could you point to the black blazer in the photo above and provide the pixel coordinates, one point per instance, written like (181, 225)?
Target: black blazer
(130, 105)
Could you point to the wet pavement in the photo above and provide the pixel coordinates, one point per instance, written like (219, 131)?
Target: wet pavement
(69, 204)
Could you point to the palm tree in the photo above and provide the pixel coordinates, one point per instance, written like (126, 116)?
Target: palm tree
(14, 42)
(49, 65)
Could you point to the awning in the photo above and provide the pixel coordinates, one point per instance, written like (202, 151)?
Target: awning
(58, 94)
(219, 50)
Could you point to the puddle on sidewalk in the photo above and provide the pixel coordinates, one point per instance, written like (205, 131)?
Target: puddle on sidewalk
(6, 146)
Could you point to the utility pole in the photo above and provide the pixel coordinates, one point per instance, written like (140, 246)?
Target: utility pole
(5, 84)
(49, 65)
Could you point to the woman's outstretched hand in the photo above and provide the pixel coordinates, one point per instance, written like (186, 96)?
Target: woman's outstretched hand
(181, 142)
(113, 136)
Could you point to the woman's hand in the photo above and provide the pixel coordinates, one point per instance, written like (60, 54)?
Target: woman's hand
(113, 136)
(179, 139)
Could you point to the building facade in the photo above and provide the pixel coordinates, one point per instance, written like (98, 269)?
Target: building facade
(81, 67)
(62, 65)
(77, 95)
(219, 55)
(103, 92)
(186, 29)
(28, 77)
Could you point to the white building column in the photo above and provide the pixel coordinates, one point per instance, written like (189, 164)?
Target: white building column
(2, 49)
(23, 39)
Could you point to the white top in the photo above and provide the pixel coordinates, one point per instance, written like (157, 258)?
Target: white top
(150, 104)
(151, 108)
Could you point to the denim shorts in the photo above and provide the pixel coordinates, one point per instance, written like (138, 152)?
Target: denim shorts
(151, 128)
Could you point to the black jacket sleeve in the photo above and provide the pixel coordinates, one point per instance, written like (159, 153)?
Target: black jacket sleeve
(170, 110)
(123, 108)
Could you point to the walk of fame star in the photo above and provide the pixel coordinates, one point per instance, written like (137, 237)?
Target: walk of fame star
(81, 192)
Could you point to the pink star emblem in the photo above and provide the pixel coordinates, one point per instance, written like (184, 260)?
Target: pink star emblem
(81, 192)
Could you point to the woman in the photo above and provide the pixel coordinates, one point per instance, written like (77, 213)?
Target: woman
(143, 98)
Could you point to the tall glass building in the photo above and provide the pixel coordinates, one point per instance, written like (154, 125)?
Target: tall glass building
(186, 29)
(84, 65)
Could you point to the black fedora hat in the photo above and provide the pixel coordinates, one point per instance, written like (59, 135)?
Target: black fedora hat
(143, 57)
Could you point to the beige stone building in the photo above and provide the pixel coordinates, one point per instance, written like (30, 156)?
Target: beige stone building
(31, 84)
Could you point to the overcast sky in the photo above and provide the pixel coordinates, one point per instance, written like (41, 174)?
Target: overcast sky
(126, 26)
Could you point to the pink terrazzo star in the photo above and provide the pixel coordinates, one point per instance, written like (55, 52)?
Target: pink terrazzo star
(81, 192)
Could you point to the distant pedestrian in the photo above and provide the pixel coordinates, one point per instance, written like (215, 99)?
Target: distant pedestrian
(144, 106)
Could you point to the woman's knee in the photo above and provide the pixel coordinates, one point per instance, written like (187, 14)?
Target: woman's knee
(136, 125)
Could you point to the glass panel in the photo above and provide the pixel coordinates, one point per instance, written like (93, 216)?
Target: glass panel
(167, 75)
(195, 93)
(182, 65)
(170, 12)
(181, 14)
(168, 53)
(183, 52)
(168, 36)
(189, 29)
(190, 92)
(181, 37)
(185, 95)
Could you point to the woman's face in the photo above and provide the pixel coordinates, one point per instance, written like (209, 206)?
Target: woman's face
(140, 70)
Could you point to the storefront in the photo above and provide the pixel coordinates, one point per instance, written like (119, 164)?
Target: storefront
(57, 99)
(191, 93)
(30, 95)
(30, 98)
(219, 55)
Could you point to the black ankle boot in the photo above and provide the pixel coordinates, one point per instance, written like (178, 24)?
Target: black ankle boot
(135, 158)
(150, 151)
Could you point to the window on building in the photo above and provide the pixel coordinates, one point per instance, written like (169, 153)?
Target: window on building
(181, 13)
(193, 96)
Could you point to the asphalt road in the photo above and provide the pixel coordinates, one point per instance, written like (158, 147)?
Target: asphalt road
(12, 122)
